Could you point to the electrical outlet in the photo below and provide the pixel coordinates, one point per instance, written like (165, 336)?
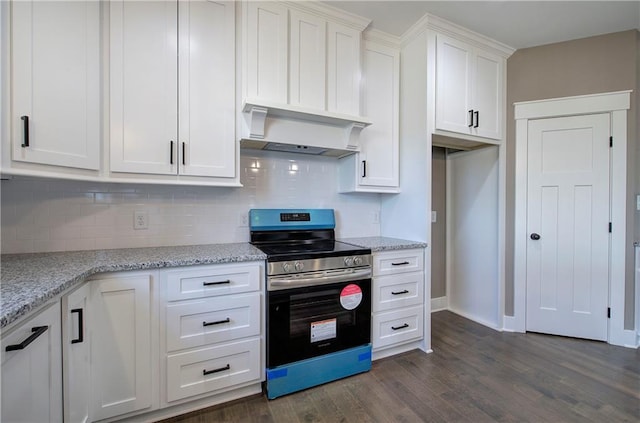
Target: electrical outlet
(140, 219)
(375, 219)
(243, 220)
(434, 216)
(638, 202)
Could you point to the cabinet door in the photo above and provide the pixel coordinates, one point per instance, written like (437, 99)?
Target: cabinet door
(207, 88)
(267, 31)
(487, 94)
(307, 54)
(121, 345)
(75, 354)
(143, 86)
(56, 83)
(31, 377)
(453, 85)
(343, 69)
(379, 142)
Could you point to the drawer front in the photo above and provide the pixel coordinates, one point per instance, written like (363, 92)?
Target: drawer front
(398, 291)
(395, 327)
(207, 281)
(227, 365)
(210, 320)
(400, 261)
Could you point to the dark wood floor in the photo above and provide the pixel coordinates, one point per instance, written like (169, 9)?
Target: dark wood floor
(475, 374)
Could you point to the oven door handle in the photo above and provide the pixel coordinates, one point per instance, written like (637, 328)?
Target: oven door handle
(286, 283)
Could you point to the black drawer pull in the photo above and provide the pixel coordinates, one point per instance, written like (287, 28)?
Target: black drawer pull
(404, 291)
(477, 123)
(80, 337)
(37, 331)
(25, 122)
(221, 369)
(184, 160)
(400, 327)
(216, 283)
(471, 118)
(171, 152)
(402, 263)
(364, 168)
(217, 322)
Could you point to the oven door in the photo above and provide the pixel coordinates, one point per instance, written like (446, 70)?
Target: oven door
(315, 320)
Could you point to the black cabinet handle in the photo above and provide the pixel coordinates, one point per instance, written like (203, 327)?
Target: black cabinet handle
(400, 327)
(402, 263)
(535, 236)
(470, 118)
(364, 168)
(216, 283)
(183, 154)
(25, 123)
(221, 369)
(171, 153)
(477, 113)
(217, 322)
(80, 337)
(404, 291)
(37, 331)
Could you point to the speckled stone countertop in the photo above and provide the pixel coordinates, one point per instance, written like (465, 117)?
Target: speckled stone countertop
(381, 243)
(28, 281)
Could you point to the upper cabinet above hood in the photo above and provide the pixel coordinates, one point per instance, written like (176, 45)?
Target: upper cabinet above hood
(295, 129)
(301, 78)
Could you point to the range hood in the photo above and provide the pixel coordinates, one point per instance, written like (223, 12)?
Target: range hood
(277, 127)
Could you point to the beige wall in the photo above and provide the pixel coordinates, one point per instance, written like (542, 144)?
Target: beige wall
(438, 229)
(599, 64)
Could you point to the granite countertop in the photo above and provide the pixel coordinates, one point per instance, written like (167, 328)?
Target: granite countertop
(381, 243)
(28, 281)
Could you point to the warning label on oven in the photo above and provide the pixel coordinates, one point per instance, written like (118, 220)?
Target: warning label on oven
(323, 329)
(351, 296)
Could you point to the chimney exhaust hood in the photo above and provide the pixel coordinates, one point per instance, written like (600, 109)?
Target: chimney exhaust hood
(278, 127)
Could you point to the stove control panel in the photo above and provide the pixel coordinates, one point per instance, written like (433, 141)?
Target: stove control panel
(312, 265)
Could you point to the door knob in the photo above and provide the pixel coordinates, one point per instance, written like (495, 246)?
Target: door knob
(535, 236)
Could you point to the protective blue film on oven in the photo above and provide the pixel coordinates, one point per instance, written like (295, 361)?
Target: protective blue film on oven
(315, 371)
(291, 219)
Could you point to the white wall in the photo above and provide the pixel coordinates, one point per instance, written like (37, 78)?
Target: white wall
(472, 223)
(39, 215)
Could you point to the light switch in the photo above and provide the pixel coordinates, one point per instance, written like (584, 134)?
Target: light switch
(434, 216)
(638, 202)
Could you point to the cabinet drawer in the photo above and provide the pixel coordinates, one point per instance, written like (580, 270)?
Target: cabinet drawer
(226, 365)
(393, 291)
(400, 261)
(208, 281)
(397, 326)
(207, 321)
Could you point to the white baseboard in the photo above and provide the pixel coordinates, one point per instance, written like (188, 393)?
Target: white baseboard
(511, 324)
(439, 304)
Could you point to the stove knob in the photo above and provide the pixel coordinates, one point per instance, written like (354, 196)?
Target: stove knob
(286, 267)
(299, 266)
(357, 261)
(348, 261)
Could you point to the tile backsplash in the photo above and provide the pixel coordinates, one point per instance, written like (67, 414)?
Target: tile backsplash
(41, 215)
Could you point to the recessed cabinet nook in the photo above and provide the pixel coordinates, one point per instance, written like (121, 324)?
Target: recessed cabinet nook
(166, 92)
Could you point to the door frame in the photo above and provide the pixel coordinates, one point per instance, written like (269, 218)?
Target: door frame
(621, 249)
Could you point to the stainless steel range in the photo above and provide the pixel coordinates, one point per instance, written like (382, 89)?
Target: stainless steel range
(318, 299)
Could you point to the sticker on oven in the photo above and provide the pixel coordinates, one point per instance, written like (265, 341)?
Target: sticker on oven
(323, 329)
(351, 296)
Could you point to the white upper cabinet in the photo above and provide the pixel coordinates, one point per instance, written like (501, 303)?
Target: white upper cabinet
(307, 60)
(304, 55)
(343, 69)
(172, 86)
(376, 167)
(266, 55)
(55, 83)
(469, 89)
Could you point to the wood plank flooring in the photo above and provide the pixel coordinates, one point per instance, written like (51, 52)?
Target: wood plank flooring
(475, 374)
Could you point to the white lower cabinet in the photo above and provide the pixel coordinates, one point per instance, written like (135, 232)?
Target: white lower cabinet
(31, 373)
(212, 329)
(397, 301)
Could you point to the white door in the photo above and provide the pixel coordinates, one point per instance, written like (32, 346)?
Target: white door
(55, 82)
(487, 95)
(568, 226)
(453, 85)
(75, 353)
(121, 345)
(207, 88)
